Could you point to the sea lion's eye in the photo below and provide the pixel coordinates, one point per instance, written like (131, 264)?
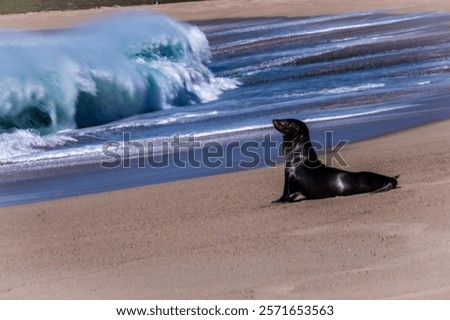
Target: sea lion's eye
(287, 124)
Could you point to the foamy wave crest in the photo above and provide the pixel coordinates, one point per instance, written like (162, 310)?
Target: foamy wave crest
(25, 142)
(103, 71)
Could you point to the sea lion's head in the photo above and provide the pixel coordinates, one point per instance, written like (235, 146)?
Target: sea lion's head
(292, 129)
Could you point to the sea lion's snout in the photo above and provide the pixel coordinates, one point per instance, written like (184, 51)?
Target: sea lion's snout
(283, 126)
(277, 124)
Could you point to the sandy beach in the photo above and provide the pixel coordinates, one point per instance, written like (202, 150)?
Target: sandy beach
(225, 9)
(220, 237)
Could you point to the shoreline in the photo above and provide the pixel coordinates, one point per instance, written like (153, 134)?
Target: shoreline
(43, 184)
(219, 237)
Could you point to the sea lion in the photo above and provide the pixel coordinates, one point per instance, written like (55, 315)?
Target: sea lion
(305, 174)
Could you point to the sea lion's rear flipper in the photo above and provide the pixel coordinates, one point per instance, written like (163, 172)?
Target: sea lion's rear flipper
(392, 184)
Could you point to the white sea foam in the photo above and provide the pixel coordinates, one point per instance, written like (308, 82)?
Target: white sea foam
(355, 114)
(25, 142)
(350, 89)
(318, 29)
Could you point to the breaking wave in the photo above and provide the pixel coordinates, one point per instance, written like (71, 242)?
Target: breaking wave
(102, 71)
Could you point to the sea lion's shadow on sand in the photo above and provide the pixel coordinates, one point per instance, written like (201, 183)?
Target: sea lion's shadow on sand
(277, 203)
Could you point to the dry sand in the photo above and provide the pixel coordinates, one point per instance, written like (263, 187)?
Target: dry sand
(218, 9)
(220, 237)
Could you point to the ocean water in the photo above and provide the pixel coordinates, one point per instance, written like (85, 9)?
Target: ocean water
(121, 86)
